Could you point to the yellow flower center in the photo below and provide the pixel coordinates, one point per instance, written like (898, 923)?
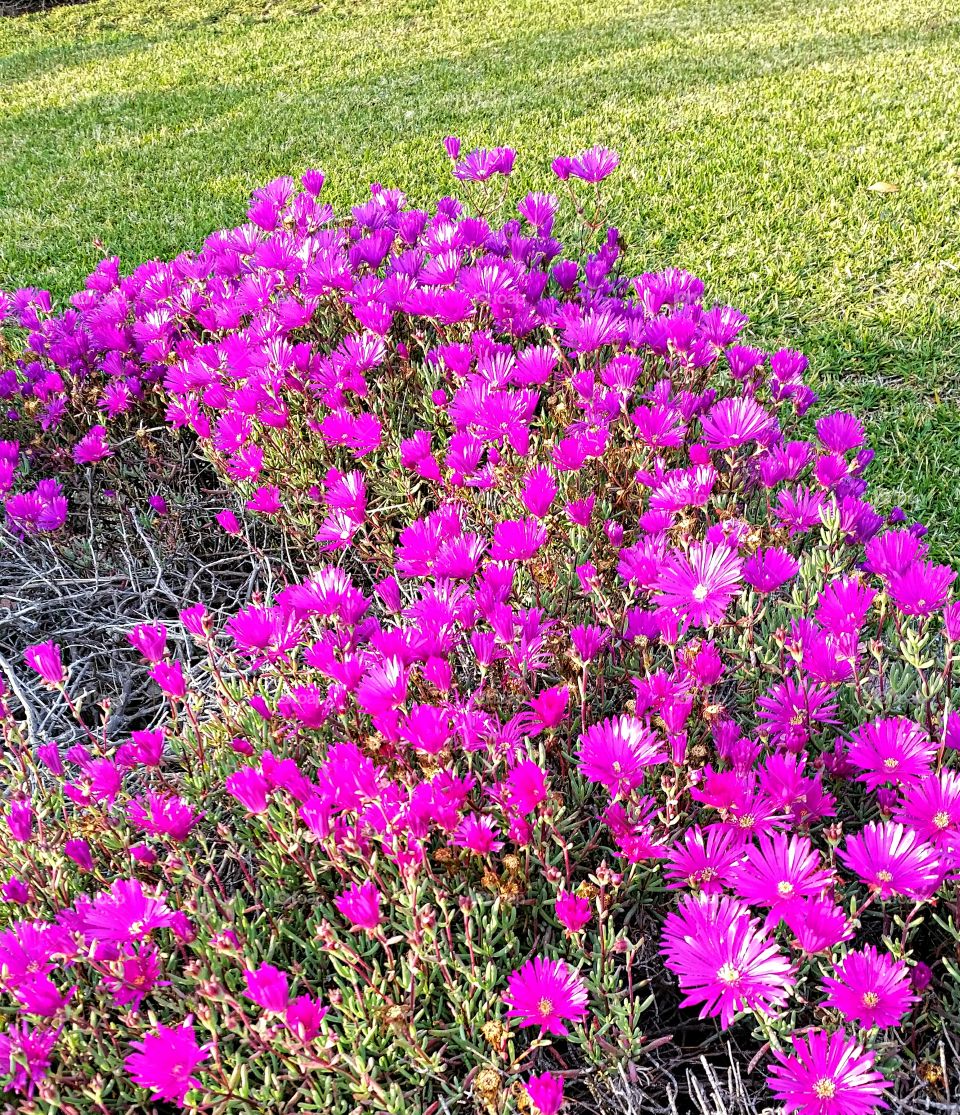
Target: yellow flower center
(728, 974)
(941, 819)
(700, 593)
(784, 889)
(891, 764)
(824, 1089)
(545, 1007)
(870, 998)
(884, 876)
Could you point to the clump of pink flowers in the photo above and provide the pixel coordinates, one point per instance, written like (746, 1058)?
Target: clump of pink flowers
(596, 701)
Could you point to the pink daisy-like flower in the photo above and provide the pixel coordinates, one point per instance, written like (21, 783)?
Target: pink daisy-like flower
(25, 1053)
(517, 539)
(125, 913)
(870, 988)
(768, 570)
(704, 860)
(360, 905)
(546, 993)
(818, 924)
(164, 1061)
(827, 1074)
(893, 860)
(932, 808)
(546, 1093)
(922, 588)
(573, 912)
(780, 869)
(736, 420)
(791, 710)
(44, 659)
(700, 584)
(617, 751)
(723, 959)
(840, 432)
(267, 987)
(478, 834)
(892, 750)
(594, 164)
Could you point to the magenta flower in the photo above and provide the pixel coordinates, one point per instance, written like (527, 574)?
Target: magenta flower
(266, 500)
(573, 912)
(150, 640)
(44, 659)
(840, 432)
(526, 786)
(546, 1093)
(25, 1054)
(737, 420)
(250, 788)
(79, 852)
(304, 1016)
(870, 988)
(588, 641)
(932, 808)
(592, 165)
(546, 993)
(768, 570)
(162, 814)
(517, 539)
(893, 860)
(134, 975)
(124, 913)
(360, 905)
(165, 1060)
(144, 749)
(169, 676)
(539, 491)
(92, 447)
(478, 834)
(723, 959)
(700, 584)
(922, 588)
(549, 708)
(827, 1074)
(892, 750)
(228, 521)
(451, 144)
(482, 164)
(20, 820)
(616, 753)
(704, 861)
(843, 605)
(780, 869)
(267, 987)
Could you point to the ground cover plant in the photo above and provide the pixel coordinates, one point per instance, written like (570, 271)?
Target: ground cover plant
(751, 134)
(593, 711)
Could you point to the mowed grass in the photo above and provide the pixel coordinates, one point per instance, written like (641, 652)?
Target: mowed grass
(751, 132)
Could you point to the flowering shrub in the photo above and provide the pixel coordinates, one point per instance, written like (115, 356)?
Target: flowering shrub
(605, 710)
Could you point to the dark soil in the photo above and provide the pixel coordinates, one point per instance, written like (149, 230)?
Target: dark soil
(22, 7)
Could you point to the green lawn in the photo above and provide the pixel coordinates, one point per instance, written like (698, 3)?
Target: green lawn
(750, 132)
